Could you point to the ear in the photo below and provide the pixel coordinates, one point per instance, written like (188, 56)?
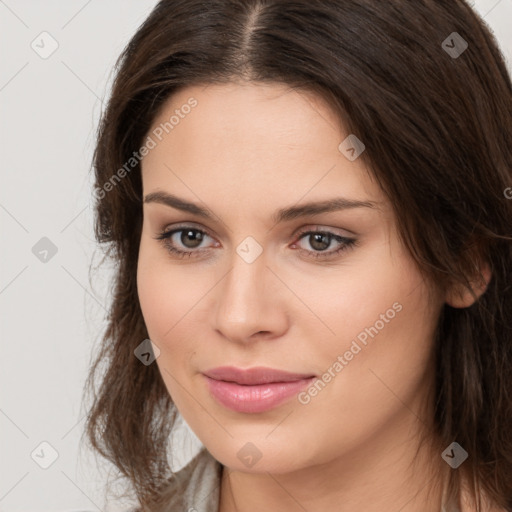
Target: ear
(459, 296)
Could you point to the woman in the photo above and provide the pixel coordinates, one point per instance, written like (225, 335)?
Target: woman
(307, 205)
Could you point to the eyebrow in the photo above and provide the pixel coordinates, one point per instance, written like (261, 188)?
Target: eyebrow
(282, 215)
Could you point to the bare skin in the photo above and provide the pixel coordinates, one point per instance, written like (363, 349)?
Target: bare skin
(244, 152)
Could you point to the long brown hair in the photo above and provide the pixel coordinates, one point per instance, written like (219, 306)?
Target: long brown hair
(423, 84)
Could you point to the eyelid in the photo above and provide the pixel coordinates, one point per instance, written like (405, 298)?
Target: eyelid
(345, 233)
(179, 227)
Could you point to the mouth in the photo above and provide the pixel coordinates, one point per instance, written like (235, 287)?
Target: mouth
(254, 390)
(254, 376)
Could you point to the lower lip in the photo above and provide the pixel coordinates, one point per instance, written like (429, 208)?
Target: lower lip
(257, 398)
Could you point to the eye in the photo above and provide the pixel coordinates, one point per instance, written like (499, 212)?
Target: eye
(185, 241)
(320, 241)
(188, 237)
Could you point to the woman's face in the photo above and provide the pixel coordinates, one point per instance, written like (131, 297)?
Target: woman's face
(258, 289)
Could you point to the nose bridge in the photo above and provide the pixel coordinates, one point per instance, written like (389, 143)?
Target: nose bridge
(247, 300)
(243, 289)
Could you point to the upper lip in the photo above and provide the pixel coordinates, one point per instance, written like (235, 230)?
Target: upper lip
(256, 375)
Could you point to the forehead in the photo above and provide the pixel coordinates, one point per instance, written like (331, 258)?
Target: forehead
(243, 140)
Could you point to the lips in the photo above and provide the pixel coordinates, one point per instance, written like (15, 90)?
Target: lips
(254, 376)
(255, 390)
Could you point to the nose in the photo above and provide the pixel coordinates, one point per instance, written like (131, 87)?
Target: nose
(250, 302)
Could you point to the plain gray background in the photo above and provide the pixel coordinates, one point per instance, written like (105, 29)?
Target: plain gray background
(50, 315)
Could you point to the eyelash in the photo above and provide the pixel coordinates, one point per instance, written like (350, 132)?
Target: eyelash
(347, 243)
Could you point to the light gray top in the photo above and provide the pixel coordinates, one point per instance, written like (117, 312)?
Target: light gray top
(198, 483)
(195, 487)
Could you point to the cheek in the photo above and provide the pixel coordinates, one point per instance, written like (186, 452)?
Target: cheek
(378, 293)
(170, 297)
(387, 339)
(158, 288)
(166, 298)
(384, 360)
(155, 297)
(379, 319)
